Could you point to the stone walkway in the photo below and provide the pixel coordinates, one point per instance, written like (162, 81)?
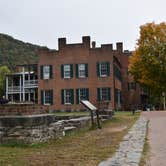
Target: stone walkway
(130, 149)
(157, 137)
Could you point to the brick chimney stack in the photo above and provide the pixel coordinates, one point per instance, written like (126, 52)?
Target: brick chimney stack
(86, 41)
(61, 43)
(93, 44)
(119, 46)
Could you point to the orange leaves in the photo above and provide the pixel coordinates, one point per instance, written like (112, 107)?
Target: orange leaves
(148, 63)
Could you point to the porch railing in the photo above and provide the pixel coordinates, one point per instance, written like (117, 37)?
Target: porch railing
(31, 83)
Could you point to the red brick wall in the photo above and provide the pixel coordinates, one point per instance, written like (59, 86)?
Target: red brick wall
(75, 54)
(130, 98)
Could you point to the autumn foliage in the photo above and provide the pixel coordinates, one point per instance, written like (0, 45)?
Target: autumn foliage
(148, 63)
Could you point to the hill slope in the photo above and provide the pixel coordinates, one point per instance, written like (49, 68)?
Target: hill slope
(14, 52)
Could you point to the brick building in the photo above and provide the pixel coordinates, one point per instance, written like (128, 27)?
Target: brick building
(84, 71)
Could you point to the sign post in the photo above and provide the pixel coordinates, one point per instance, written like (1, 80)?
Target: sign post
(91, 108)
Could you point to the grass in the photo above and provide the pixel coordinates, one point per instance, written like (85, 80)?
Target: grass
(86, 147)
(146, 149)
(84, 113)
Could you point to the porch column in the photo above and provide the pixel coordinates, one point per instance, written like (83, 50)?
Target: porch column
(20, 89)
(23, 86)
(7, 86)
(12, 91)
(12, 97)
(29, 96)
(34, 99)
(29, 93)
(29, 78)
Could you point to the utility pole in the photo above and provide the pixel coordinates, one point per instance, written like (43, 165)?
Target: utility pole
(164, 104)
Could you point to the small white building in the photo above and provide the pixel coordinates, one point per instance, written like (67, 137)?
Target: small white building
(22, 85)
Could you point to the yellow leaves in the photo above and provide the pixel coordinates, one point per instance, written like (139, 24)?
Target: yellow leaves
(149, 58)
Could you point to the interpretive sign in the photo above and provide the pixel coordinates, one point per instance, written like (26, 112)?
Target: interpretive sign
(92, 108)
(88, 105)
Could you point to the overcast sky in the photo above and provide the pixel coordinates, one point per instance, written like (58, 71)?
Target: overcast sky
(106, 21)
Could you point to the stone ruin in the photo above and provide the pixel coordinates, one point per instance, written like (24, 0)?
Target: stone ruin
(30, 124)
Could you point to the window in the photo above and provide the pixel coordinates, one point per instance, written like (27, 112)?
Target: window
(81, 70)
(117, 73)
(47, 97)
(103, 94)
(67, 96)
(67, 71)
(46, 72)
(103, 69)
(118, 96)
(82, 94)
(131, 86)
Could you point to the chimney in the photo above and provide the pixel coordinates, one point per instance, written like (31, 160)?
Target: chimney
(107, 47)
(119, 47)
(86, 41)
(61, 43)
(93, 44)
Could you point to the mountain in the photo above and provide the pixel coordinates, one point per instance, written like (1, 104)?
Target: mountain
(14, 52)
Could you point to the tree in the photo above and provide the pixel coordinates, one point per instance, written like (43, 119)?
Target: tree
(148, 63)
(3, 71)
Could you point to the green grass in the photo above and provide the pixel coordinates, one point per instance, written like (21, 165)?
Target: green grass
(80, 148)
(146, 149)
(85, 113)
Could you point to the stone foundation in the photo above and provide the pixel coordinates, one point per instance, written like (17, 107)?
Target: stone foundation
(29, 128)
(38, 128)
(21, 109)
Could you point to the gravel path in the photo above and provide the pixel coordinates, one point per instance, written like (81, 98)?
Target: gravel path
(130, 149)
(157, 137)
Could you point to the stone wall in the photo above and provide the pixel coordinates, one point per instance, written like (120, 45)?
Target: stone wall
(21, 109)
(37, 128)
(29, 128)
(18, 127)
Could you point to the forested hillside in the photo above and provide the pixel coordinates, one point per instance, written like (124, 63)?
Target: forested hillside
(13, 51)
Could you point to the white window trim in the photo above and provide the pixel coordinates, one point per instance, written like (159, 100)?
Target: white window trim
(79, 96)
(65, 71)
(102, 75)
(46, 77)
(80, 93)
(65, 98)
(44, 99)
(79, 71)
(101, 94)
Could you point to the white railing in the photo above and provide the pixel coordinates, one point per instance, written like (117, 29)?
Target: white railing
(14, 89)
(27, 84)
(30, 83)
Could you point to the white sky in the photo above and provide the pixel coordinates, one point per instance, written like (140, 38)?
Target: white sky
(106, 21)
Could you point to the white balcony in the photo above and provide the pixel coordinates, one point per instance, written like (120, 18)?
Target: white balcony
(30, 83)
(14, 89)
(27, 84)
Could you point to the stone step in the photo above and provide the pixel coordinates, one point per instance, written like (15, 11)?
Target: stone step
(69, 128)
